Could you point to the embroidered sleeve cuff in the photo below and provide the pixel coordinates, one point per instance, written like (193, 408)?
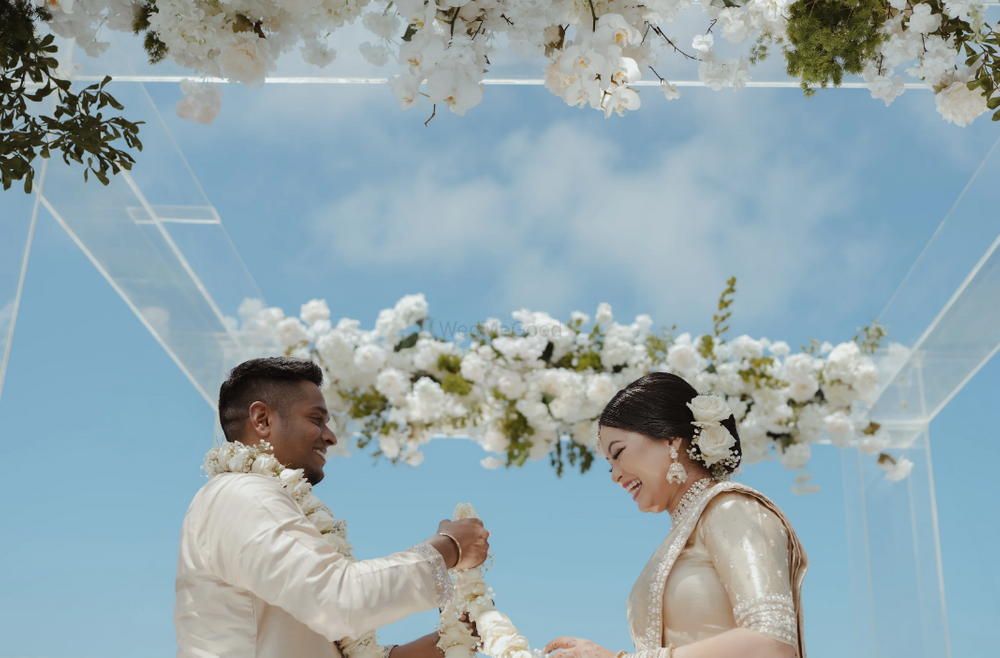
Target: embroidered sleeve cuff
(773, 616)
(442, 580)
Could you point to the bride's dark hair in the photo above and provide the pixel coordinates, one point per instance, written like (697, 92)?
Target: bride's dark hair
(655, 405)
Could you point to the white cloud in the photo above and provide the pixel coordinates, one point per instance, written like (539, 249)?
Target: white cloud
(567, 208)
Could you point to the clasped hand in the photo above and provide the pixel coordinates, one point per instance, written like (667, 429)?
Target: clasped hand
(470, 535)
(574, 647)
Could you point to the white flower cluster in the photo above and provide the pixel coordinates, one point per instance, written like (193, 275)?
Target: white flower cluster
(713, 444)
(914, 36)
(234, 457)
(597, 47)
(497, 636)
(540, 387)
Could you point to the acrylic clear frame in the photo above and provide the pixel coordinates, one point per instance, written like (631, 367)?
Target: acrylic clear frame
(159, 242)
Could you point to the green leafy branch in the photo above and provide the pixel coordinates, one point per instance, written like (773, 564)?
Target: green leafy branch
(78, 129)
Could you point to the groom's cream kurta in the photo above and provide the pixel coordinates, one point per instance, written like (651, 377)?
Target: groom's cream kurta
(256, 579)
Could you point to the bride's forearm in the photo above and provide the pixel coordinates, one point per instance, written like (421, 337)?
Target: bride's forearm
(737, 643)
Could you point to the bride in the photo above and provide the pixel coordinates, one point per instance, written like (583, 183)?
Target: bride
(727, 580)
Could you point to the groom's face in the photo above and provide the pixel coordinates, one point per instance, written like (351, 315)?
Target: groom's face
(299, 432)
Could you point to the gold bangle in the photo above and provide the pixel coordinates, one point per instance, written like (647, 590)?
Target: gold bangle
(457, 545)
(670, 650)
(621, 654)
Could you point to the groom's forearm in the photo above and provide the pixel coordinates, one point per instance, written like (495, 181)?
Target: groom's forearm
(424, 647)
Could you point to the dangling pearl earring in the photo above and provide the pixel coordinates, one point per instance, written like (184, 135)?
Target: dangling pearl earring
(676, 473)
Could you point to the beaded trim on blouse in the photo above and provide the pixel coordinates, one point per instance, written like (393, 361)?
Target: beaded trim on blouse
(690, 496)
(442, 581)
(772, 615)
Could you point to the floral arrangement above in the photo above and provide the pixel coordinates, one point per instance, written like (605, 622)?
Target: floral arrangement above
(534, 389)
(596, 49)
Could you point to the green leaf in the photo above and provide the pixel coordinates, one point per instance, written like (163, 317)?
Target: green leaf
(407, 342)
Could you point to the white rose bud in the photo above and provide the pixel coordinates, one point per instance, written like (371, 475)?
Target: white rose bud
(709, 409)
(715, 443)
(266, 465)
(240, 461)
(465, 511)
(322, 519)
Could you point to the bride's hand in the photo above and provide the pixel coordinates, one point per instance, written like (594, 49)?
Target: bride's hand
(574, 647)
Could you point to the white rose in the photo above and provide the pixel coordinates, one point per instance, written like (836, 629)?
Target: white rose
(799, 367)
(796, 456)
(745, 347)
(600, 389)
(394, 384)
(780, 348)
(872, 444)
(322, 519)
(473, 368)
(240, 461)
(390, 445)
(492, 463)
(898, 471)
(310, 503)
(464, 511)
(709, 409)
(840, 428)
(290, 332)
(511, 385)
(266, 465)
(314, 310)
(803, 390)
(247, 59)
(866, 381)
(369, 358)
(604, 314)
(715, 443)
(683, 357)
(291, 476)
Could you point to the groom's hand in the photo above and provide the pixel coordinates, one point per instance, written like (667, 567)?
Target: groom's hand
(471, 536)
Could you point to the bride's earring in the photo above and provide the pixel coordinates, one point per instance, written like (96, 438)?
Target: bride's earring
(676, 473)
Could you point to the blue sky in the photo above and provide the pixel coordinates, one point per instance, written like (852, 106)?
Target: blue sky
(819, 206)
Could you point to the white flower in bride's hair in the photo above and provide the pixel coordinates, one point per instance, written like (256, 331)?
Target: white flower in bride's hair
(715, 443)
(709, 409)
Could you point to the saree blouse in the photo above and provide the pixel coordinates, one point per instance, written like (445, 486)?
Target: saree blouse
(731, 560)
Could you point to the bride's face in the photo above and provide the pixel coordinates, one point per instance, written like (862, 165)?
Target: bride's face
(639, 465)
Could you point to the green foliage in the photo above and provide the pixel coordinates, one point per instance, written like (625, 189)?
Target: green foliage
(868, 338)
(827, 38)
(456, 384)
(725, 301)
(77, 128)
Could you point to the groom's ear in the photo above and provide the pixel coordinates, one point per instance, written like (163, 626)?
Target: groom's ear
(261, 418)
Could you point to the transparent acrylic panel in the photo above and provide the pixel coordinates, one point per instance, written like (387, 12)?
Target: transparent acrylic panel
(895, 558)
(943, 319)
(158, 241)
(18, 213)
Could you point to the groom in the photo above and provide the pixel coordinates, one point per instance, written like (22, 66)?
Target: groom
(255, 579)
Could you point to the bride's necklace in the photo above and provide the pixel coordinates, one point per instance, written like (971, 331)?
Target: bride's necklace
(234, 457)
(689, 498)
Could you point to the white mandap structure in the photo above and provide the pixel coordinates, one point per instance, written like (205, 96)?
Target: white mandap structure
(161, 245)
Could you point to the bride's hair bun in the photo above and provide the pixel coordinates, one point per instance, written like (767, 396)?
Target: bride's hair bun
(656, 405)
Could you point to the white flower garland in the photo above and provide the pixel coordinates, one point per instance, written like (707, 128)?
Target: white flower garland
(596, 48)
(534, 388)
(234, 457)
(497, 636)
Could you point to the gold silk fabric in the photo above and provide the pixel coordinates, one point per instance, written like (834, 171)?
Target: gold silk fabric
(732, 560)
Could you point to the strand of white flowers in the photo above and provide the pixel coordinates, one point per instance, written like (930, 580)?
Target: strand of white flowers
(498, 638)
(234, 457)
(318, 80)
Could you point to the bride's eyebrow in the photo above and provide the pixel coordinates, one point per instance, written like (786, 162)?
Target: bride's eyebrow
(609, 448)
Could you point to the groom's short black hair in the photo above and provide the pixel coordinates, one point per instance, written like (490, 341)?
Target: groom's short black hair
(266, 380)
